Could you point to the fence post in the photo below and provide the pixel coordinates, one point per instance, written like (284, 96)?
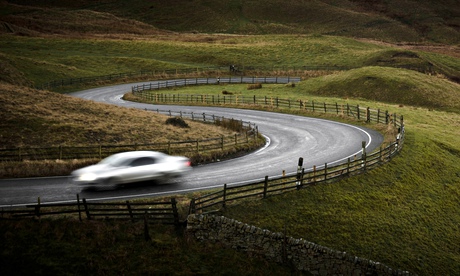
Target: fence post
(325, 171)
(37, 208)
(348, 166)
(78, 206)
(224, 196)
(192, 209)
(314, 174)
(88, 216)
(368, 115)
(175, 212)
(236, 139)
(357, 111)
(129, 210)
(265, 186)
(363, 157)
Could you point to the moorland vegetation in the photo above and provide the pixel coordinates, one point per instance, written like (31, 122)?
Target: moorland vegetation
(405, 59)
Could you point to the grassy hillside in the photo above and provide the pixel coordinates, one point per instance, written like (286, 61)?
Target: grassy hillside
(37, 60)
(35, 118)
(395, 20)
(404, 214)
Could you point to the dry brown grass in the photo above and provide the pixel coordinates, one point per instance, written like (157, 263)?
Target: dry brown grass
(39, 118)
(35, 118)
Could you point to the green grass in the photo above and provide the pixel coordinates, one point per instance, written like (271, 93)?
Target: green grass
(404, 214)
(42, 60)
(378, 84)
(395, 20)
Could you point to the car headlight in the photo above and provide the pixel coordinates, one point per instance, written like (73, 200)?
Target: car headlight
(87, 177)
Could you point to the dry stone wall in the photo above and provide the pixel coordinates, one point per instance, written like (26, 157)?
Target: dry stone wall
(304, 255)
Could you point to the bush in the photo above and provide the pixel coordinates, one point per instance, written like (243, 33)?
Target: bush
(177, 121)
(254, 86)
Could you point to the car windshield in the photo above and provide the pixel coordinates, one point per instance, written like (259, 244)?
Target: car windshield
(113, 160)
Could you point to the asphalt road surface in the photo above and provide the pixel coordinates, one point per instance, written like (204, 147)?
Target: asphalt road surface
(289, 137)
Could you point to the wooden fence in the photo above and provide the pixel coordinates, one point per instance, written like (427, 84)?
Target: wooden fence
(117, 76)
(247, 132)
(161, 84)
(219, 199)
(155, 212)
(361, 113)
(186, 71)
(306, 177)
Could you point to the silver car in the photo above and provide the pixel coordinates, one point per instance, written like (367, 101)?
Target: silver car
(129, 167)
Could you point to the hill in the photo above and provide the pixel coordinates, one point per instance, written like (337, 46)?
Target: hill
(392, 20)
(404, 214)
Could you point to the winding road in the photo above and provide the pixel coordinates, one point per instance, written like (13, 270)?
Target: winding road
(288, 137)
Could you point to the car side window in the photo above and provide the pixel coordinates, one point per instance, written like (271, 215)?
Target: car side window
(142, 161)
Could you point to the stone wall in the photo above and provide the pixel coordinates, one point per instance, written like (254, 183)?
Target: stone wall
(303, 255)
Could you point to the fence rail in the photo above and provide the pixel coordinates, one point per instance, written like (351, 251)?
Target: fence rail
(270, 186)
(214, 201)
(361, 113)
(247, 132)
(161, 84)
(233, 70)
(164, 212)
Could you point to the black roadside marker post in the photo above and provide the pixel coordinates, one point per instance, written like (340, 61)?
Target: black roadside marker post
(299, 172)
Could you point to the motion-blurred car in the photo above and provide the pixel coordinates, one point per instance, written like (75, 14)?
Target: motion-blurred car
(129, 167)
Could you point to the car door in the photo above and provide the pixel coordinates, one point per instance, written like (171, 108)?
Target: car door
(140, 169)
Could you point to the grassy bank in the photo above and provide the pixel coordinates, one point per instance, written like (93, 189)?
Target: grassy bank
(404, 214)
(32, 60)
(34, 118)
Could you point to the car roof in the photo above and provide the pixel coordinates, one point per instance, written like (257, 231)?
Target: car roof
(131, 154)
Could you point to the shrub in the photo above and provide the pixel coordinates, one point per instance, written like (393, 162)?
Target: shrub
(254, 86)
(177, 121)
